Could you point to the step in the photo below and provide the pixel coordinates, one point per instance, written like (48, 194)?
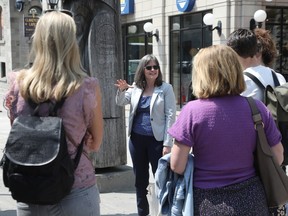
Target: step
(115, 179)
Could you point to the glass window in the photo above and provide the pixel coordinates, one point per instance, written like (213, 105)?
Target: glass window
(187, 36)
(277, 23)
(273, 15)
(136, 44)
(192, 21)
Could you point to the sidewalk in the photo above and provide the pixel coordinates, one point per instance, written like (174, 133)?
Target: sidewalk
(121, 203)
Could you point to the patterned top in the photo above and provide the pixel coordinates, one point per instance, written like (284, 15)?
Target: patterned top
(142, 122)
(222, 134)
(77, 115)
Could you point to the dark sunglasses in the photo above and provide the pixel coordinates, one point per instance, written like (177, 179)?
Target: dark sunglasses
(62, 11)
(155, 67)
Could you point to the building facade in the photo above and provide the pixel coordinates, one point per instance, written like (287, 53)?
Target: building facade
(182, 32)
(175, 33)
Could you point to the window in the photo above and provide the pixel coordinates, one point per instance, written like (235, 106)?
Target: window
(136, 44)
(3, 70)
(277, 23)
(187, 36)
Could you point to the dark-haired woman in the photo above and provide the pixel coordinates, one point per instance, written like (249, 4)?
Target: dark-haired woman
(152, 112)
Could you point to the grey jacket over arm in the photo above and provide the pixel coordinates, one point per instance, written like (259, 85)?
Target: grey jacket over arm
(162, 109)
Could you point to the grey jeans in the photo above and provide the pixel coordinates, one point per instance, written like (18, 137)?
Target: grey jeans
(82, 201)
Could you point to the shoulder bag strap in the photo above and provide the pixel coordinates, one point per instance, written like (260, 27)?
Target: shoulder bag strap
(259, 126)
(255, 80)
(275, 78)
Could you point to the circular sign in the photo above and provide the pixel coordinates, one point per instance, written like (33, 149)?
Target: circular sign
(185, 5)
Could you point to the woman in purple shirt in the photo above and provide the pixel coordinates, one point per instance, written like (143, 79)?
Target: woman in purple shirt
(218, 128)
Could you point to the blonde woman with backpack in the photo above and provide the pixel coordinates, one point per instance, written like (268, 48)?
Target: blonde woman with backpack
(56, 72)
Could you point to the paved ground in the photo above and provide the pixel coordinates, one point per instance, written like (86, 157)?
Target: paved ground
(112, 204)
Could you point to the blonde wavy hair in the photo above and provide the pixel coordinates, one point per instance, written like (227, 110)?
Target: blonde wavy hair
(217, 72)
(56, 69)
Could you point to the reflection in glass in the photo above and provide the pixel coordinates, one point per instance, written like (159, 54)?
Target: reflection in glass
(187, 36)
(277, 23)
(135, 45)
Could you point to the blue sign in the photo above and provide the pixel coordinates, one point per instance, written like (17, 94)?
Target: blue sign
(127, 6)
(185, 5)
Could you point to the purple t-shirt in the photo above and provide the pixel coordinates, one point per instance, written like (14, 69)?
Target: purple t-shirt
(221, 132)
(77, 115)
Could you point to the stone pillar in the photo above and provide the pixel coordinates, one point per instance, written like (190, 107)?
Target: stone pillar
(99, 37)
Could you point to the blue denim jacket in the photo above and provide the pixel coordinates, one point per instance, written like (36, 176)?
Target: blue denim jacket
(174, 192)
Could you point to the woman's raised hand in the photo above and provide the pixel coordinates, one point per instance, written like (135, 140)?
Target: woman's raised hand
(122, 85)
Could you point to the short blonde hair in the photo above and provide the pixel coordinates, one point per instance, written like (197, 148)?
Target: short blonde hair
(217, 72)
(56, 69)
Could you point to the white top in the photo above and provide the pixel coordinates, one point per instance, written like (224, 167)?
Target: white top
(264, 75)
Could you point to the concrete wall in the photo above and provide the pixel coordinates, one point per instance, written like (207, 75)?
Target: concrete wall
(14, 47)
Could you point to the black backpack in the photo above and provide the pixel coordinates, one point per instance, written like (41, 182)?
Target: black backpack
(276, 100)
(37, 168)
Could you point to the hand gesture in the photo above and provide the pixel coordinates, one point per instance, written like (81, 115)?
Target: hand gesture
(122, 85)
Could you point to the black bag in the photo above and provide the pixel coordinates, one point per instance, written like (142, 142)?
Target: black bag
(276, 100)
(37, 168)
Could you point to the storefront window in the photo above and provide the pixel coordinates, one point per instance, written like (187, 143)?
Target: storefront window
(277, 23)
(187, 36)
(136, 44)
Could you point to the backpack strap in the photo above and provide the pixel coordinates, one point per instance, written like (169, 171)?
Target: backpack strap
(275, 78)
(79, 152)
(258, 82)
(53, 107)
(255, 80)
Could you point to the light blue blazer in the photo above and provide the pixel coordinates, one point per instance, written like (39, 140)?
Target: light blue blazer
(162, 109)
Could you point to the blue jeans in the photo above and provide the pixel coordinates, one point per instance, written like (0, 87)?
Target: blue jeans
(81, 201)
(144, 150)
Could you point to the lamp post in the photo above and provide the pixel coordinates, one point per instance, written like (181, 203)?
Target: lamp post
(149, 28)
(208, 20)
(19, 4)
(260, 16)
(52, 3)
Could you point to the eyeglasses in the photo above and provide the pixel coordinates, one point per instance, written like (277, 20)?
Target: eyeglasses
(62, 11)
(155, 67)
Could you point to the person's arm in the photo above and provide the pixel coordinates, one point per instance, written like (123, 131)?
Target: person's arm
(179, 157)
(96, 129)
(123, 95)
(278, 152)
(11, 96)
